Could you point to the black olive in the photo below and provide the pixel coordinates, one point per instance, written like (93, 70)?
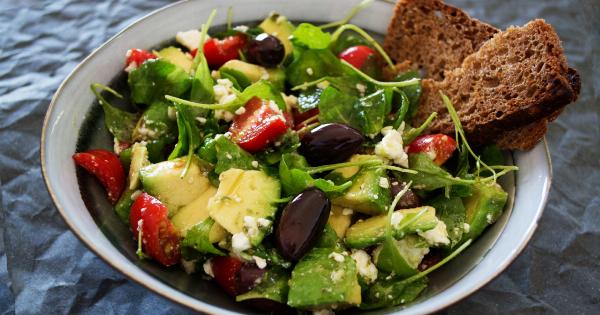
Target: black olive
(301, 223)
(330, 143)
(265, 50)
(247, 277)
(408, 200)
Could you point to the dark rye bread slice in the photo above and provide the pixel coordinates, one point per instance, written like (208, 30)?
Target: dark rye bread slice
(515, 79)
(435, 36)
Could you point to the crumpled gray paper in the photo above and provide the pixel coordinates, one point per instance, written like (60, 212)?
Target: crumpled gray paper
(45, 269)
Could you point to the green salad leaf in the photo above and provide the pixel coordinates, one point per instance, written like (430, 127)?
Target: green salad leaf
(155, 124)
(311, 65)
(391, 292)
(119, 123)
(452, 212)
(412, 92)
(198, 238)
(225, 154)
(156, 78)
(273, 286)
(429, 175)
(309, 36)
(295, 178)
(309, 99)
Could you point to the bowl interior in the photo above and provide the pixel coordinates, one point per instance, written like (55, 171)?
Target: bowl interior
(75, 122)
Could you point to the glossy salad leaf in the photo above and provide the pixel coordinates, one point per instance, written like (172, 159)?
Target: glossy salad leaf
(309, 36)
(155, 124)
(156, 78)
(491, 155)
(266, 251)
(295, 178)
(198, 238)
(452, 212)
(372, 110)
(119, 123)
(309, 99)
(346, 40)
(430, 176)
(202, 83)
(412, 92)
(391, 292)
(273, 286)
(311, 65)
(263, 90)
(402, 110)
(225, 154)
(240, 81)
(287, 143)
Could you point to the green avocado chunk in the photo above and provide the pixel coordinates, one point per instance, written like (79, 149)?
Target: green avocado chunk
(163, 180)
(402, 257)
(155, 124)
(483, 208)
(367, 194)
(247, 73)
(177, 57)
(324, 278)
(279, 26)
(139, 159)
(372, 231)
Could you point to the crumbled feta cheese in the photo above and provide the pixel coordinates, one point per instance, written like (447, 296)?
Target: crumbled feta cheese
(396, 218)
(324, 311)
(239, 242)
(347, 211)
(189, 39)
(215, 74)
(207, 266)
(384, 182)
(436, 236)
(136, 194)
(228, 156)
(240, 110)
(171, 113)
(337, 257)
(337, 275)
(260, 262)
(131, 66)
(262, 222)
(309, 71)
(489, 218)
(251, 225)
(323, 85)
(466, 227)
(264, 75)
(291, 101)
(224, 115)
(117, 146)
(361, 88)
(255, 164)
(146, 132)
(189, 266)
(222, 89)
(241, 28)
(391, 146)
(365, 266)
(201, 120)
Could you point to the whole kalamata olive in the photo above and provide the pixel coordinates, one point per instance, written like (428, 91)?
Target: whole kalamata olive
(301, 223)
(265, 50)
(330, 143)
(247, 277)
(408, 200)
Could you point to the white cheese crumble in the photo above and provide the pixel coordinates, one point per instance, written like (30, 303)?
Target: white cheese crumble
(189, 266)
(215, 74)
(136, 194)
(241, 28)
(201, 120)
(324, 311)
(291, 101)
(466, 227)
(391, 146)
(240, 110)
(365, 266)
(436, 236)
(384, 182)
(207, 266)
(347, 211)
(239, 242)
(189, 39)
(251, 226)
(337, 275)
(337, 257)
(171, 113)
(260, 262)
(131, 66)
(255, 164)
(361, 88)
(489, 218)
(309, 71)
(262, 222)
(396, 218)
(224, 94)
(323, 85)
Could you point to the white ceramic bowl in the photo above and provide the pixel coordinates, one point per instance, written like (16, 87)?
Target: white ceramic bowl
(97, 226)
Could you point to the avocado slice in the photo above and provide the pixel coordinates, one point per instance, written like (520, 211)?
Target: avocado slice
(483, 208)
(245, 196)
(279, 26)
(366, 194)
(177, 57)
(340, 219)
(247, 72)
(324, 278)
(196, 212)
(163, 180)
(402, 257)
(139, 159)
(406, 221)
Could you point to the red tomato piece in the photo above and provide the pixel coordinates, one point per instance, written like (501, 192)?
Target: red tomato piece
(219, 51)
(261, 123)
(107, 167)
(225, 270)
(438, 147)
(138, 56)
(356, 55)
(160, 239)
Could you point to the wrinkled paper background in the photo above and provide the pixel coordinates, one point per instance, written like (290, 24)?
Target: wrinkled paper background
(45, 269)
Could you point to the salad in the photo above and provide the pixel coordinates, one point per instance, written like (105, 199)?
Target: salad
(280, 161)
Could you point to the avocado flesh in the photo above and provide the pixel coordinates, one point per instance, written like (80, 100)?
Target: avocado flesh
(366, 195)
(255, 73)
(279, 26)
(339, 221)
(163, 180)
(320, 281)
(244, 193)
(196, 212)
(139, 159)
(177, 57)
(483, 208)
(372, 231)
(408, 253)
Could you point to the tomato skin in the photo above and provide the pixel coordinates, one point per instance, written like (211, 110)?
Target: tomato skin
(107, 168)
(138, 56)
(437, 146)
(160, 239)
(260, 124)
(219, 51)
(301, 117)
(225, 270)
(356, 55)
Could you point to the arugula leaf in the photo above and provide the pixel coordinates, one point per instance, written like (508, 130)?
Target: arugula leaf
(310, 36)
(198, 238)
(182, 144)
(373, 109)
(491, 155)
(189, 136)
(453, 213)
(311, 65)
(295, 177)
(225, 154)
(273, 286)
(346, 40)
(263, 90)
(119, 123)
(240, 81)
(403, 110)
(412, 92)
(156, 78)
(309, 99)
(430, 176)
(155, 124)
(202, 84)
(391, 292)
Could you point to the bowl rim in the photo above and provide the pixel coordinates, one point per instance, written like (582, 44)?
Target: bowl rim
(200, 305)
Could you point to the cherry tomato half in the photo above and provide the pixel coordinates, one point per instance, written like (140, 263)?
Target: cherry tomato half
(138, 56)
(160, 239)
(107, 167)
(219, 51)
(225, 270)
(438, 147)
(261, 123)
(356, 55)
